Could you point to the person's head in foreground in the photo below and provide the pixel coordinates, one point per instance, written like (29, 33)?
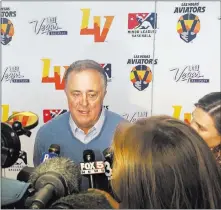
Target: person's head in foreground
(161, 162)
(85, 88)
(207, 121)
(83, 200)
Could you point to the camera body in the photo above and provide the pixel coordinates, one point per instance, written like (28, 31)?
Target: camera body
(14, 192)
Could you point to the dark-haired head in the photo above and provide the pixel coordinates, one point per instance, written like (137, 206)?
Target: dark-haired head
(207, 118)
(161, 162)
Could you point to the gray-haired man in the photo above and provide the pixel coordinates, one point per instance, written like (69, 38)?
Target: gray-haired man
(87, 125)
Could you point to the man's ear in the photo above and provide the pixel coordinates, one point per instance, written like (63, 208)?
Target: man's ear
(105, 93)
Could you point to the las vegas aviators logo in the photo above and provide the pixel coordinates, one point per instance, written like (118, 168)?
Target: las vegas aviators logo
(98, 33)
(7, 31)
(141, 76)
(7, 27)
(188, 25)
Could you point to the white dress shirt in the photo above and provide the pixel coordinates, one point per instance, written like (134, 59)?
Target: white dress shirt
(92, 133)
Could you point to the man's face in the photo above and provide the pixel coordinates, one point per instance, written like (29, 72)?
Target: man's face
(203, 123)
(85, 93)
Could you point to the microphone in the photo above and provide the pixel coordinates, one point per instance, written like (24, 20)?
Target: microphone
(53, 151)
(108, 155)
(90, 167)
(55, 178)
(86, 200)
(24, 174)
(54, 148)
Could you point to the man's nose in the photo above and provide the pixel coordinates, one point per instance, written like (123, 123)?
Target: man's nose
(84, 100)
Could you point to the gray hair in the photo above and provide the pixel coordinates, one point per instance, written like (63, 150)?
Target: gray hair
(82, 65)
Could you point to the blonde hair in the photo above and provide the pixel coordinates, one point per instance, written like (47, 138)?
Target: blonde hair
(157, 159)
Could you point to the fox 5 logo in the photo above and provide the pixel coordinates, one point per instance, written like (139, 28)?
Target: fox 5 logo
(92, 165)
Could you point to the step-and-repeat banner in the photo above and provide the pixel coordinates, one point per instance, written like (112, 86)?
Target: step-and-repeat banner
(159, 57)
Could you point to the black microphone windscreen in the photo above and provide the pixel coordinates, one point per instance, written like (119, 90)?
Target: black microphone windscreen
(86, 200)
(88, 151)
(107, 153)
(64, 167)
(88, 155)
(54, 148)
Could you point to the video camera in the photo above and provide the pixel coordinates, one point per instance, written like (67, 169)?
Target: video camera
(17, 124)
(14, 193)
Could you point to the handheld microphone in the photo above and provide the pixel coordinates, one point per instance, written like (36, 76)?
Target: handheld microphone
(55, 178)
(54, 148)
(108, 155)
(24, 174)
(53, 151)
(91, 167)
(86, 200)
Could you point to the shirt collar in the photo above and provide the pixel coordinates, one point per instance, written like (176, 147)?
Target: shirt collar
(98, 125)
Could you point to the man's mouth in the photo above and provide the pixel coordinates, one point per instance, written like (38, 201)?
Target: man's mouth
(83, 112)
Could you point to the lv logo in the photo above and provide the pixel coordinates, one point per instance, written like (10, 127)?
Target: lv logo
(177, 113)
(99, 35)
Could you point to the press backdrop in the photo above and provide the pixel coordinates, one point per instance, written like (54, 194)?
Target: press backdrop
(159, 57)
